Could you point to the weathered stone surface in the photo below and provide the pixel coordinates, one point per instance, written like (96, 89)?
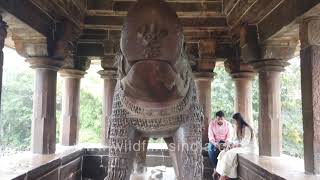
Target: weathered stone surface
(283, 15)
(243, 95)
(96, 151)
(309, 32)
(179, 6)
(53, 175)
(21, 10)
(71, 170)
(44, 169)
(70, 106)
(44, 105)
(109, 83)
(3, 35)
(203, 82)
(207, 48)
(310, 78)
(270, 126)
(72, 156)
(94, 167)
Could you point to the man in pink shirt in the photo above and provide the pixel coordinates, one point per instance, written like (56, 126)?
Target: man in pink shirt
(219, 133)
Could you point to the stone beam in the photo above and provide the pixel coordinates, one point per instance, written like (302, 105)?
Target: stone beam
(250, 11)
(285, 15)
(100, 49)
(189, 23)
(259, 10)
(239, 10)
(90, 49)
(181, 7)
(252, 49)
(228, 5)
(99, 35)
(73, 10)
(22, 9)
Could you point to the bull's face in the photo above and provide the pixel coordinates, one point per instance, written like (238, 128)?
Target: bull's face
(153, 67)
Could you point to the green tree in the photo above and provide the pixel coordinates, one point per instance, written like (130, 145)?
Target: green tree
(292, 110)
(222, 96)
(223, 99)
(16, 111)
(90, 118)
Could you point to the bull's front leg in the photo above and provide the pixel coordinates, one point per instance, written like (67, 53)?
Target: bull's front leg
(188, 148)
(141, 156)
(120, 141)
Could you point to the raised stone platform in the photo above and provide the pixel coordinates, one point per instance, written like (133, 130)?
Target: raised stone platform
(74, 163)
(264, 168)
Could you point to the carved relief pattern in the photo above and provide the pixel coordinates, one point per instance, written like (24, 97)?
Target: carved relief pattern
(150, 36)
(316, 92)
(313, 32)
(127, 117)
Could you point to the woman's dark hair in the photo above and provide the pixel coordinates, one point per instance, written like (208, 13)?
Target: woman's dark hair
(241, 123)
(219, 114)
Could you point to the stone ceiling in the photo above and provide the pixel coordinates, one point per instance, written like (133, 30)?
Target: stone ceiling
(100, 21)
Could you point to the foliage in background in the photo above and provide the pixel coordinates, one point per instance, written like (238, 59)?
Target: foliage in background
(16, 108)
(292, 110)
(16, 112)
(90, 118)
(223, 98)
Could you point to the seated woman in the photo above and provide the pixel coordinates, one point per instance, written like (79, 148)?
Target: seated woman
(243, 142)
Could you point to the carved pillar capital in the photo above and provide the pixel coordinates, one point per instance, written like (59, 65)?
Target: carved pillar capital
(203, 76)
(239, 70)
(309, 32)
(109, 62)
(44, 63)
(64, 45)
(77, 62)
(72, 73)
(270, 65)
(207, 48)
(108, 74)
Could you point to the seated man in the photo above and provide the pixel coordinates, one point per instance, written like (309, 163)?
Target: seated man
(219, 133)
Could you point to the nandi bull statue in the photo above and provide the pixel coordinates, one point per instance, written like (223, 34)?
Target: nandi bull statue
(155, 95)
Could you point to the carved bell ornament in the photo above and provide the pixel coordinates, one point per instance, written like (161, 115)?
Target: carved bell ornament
(151, 31)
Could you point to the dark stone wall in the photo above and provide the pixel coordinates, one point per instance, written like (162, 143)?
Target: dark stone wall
(92, 164)
(95, 164)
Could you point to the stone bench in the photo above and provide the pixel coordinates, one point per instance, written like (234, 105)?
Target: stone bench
(256, 167)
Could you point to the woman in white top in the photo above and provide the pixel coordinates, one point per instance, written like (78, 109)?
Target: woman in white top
(243, 142)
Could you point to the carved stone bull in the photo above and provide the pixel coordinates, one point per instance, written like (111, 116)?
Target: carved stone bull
(155, 95)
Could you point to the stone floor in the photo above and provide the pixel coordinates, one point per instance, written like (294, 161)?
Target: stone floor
(90, 163)
(156, 173)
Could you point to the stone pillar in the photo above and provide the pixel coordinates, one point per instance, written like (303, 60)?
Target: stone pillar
(310, 78)
(203, 85)
(43, 140)
(3, 35)
(243, 94)
(109, 82)
(70, 106)
(270, 126)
